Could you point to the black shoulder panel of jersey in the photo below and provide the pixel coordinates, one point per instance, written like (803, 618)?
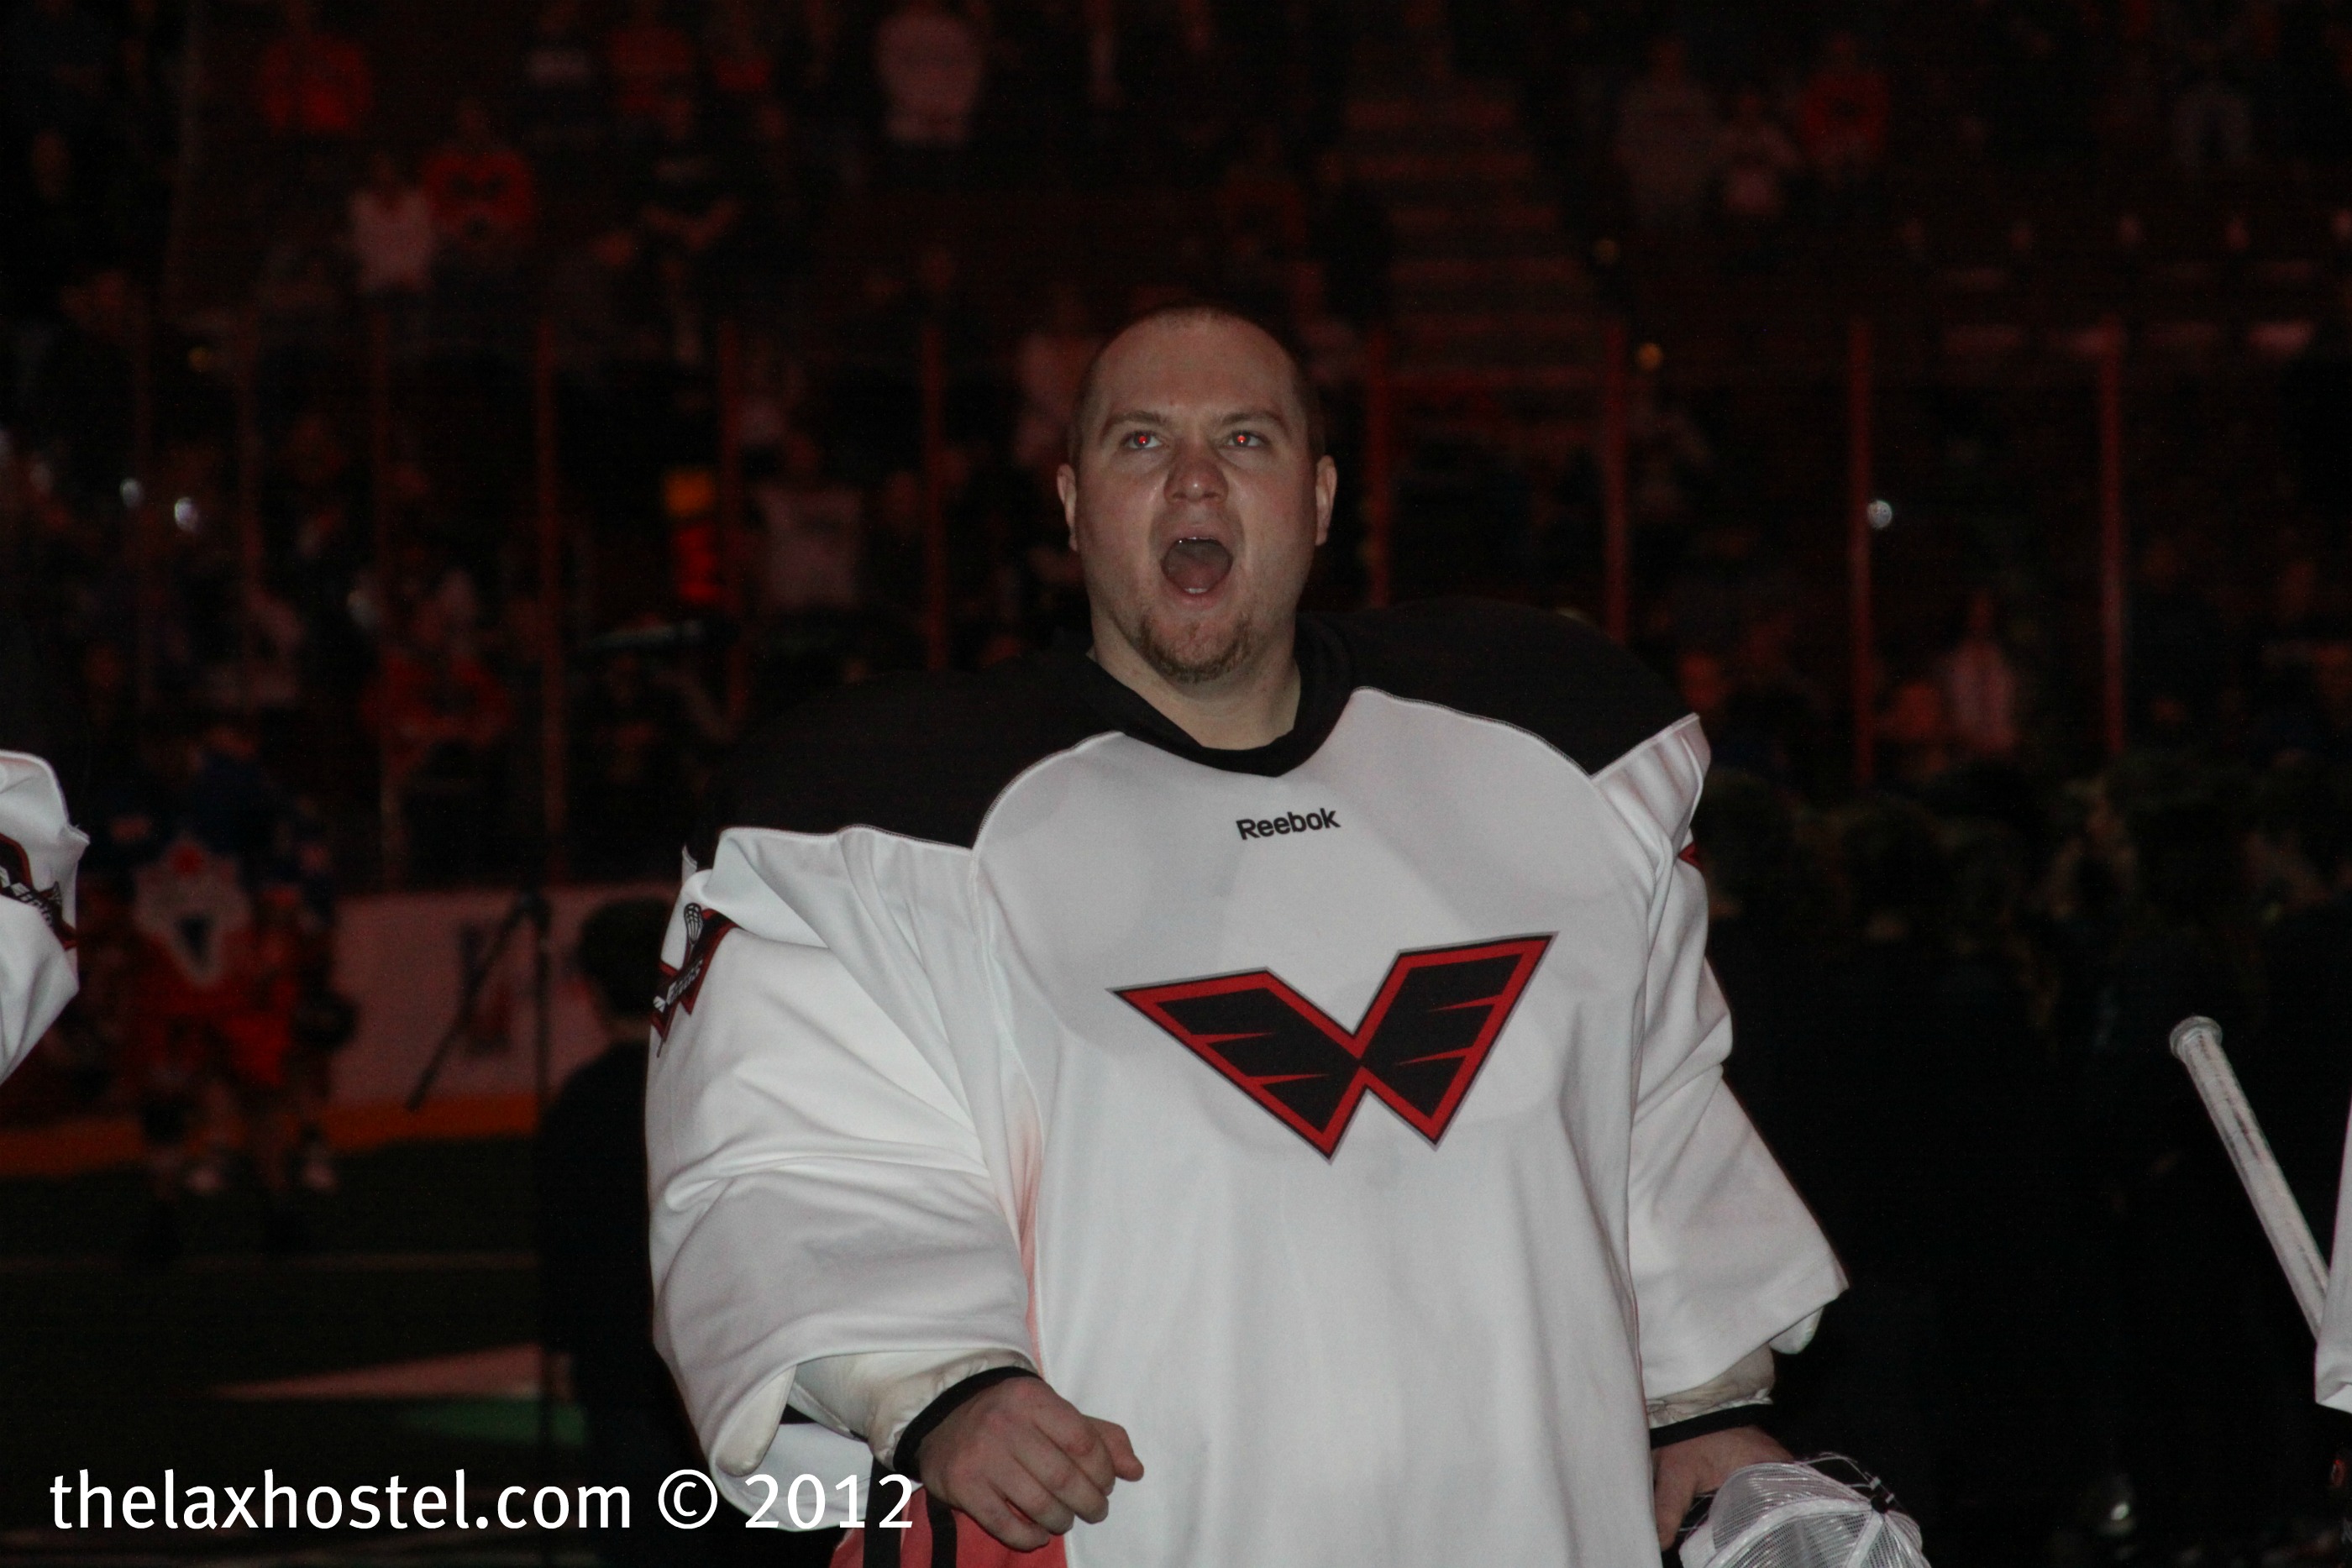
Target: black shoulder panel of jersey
(921, 756)
(1555, 677)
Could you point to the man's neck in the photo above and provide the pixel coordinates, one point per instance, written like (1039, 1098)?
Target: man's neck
(1254, 706)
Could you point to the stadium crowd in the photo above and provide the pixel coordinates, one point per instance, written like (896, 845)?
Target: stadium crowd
(276, 647)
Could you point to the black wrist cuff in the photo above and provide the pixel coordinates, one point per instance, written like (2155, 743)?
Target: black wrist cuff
(1722, 1420)
(910, 1441)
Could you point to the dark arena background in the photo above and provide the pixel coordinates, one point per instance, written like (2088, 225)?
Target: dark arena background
(433, 430)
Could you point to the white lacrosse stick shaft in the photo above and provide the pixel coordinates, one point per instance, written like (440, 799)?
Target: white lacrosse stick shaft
(2198, 1042)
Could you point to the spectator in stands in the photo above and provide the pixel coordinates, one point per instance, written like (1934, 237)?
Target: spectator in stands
(1667, 138)
(1915, 738)
(2212, 117)
(813, 528)
(1757, 160)
(2315, 55)
(599, 307)
(933, 63)
(689, 192)
(1842, 116)
(2297, 855)
(2313, 722)
(59, 63)
(630, 802)
(79, 410)
(1348, 232)
(1778, 718)
(591, 1215)
(2315, 399)
(563, 102)
(648, 62)
(393, 239)
(444, 720)
(149, 101)
(2178, 657)
(319, 579)
(2297, 624)
(1704, 679)
(1979, 683)
(893, 587)
(1758, 938)
(1189, 84)
(312, 85)
(485, 207)
(1328, 345)
(484, 200)
(2187, 1379)
(779, 212)
(1259, 200)
(1048, 363)
(739, 46)
(1100, 21)
(57, 237)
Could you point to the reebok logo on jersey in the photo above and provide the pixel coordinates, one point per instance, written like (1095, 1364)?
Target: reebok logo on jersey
(1420, 1045)
(1288, 823)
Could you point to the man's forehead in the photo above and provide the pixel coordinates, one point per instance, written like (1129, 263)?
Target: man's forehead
(1216, 365)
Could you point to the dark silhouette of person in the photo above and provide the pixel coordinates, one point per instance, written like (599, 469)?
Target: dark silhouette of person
(595, 1278)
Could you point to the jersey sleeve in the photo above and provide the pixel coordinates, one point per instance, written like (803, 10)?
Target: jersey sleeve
(38, 852)
(819, 1187)
(1726, 1257)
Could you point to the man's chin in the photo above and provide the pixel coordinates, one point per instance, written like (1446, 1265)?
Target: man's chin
(1196, 655)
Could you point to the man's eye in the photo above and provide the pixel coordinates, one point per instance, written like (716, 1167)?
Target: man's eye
(1246, 438)
(1136, 439)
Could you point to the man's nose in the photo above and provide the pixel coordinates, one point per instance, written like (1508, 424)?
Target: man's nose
(1196, 475)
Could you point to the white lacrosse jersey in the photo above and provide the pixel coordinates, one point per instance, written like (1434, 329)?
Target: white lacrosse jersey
(38, 852)
(1343, 1117)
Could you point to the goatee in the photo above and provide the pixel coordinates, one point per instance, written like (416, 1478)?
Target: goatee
(1185, 668)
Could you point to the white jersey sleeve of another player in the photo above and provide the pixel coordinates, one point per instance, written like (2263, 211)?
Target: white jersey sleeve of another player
(38, 852)
(819, 1188)
(1726, 1257)
(2334, 1361)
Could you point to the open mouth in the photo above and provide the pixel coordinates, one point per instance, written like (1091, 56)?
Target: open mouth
(1196, 565)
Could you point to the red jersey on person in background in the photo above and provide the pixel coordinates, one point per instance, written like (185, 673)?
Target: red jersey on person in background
(491, 190)
(421, 707)
(649, 61)
(1842, 118)
(314, 84)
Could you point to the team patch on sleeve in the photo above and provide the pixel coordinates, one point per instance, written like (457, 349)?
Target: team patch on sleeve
(16, 885)
(704, 931)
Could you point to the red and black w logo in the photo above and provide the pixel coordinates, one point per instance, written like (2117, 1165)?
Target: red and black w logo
(1420, 1045)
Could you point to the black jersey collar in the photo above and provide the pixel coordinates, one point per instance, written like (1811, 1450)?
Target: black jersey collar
(1326, 678)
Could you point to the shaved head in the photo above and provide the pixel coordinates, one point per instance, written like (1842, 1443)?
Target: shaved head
(1086, 417)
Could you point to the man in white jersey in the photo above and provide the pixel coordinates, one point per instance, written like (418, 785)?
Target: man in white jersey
(1274, 1049)
(38, 852)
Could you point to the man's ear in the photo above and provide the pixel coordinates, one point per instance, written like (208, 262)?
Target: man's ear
(1066, 483)
(1326, 490)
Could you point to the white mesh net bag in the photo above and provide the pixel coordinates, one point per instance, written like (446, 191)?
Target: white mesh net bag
(1826, 1514)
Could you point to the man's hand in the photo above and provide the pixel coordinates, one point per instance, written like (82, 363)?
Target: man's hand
(1680, 1471)
(1025, 1463)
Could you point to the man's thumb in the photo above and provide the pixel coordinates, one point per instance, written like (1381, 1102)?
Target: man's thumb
(1123, 1462)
